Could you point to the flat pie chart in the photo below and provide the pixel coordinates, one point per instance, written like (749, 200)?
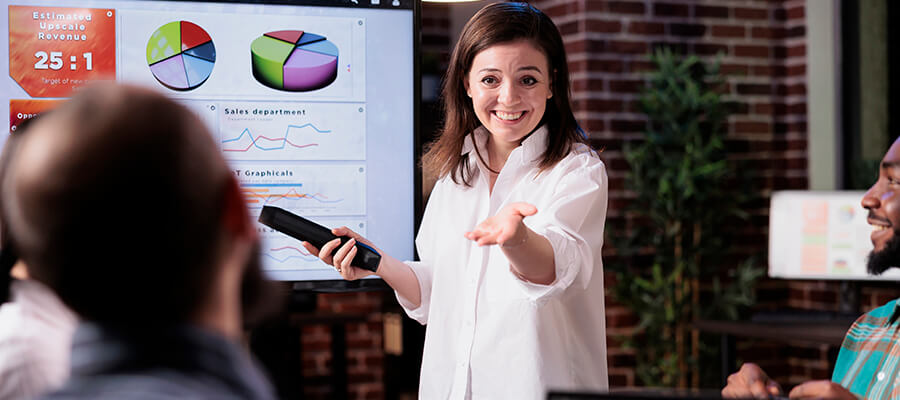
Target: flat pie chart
(181, 55)
(294, 61)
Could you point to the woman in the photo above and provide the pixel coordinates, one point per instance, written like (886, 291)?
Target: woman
(510, 280)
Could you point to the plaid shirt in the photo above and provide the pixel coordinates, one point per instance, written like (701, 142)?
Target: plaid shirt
(869, 362)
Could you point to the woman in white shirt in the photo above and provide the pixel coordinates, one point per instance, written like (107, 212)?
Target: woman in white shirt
(510, 281)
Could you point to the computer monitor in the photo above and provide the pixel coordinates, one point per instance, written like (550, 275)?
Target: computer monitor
(313, 103)
(820, 235)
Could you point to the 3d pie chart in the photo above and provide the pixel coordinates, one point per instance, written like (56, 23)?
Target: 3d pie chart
(295, 61)
(181, 55)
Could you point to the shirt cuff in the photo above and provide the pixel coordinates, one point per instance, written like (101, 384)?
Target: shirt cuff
(420, 313)
(566, 268)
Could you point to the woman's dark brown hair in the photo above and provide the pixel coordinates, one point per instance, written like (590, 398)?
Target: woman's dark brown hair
(496, 24)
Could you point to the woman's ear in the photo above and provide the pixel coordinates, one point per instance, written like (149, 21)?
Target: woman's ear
(550, 96)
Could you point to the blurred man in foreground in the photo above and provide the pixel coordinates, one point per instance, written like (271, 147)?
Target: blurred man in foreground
(120, 202)
(868, 364)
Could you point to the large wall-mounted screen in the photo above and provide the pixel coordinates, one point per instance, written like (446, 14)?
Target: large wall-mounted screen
(311, 102)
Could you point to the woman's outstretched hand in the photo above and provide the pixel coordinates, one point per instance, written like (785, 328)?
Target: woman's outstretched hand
(505, 228)
(342, 258)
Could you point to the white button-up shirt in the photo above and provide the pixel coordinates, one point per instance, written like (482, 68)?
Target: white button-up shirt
(35, 341)
(490, 334)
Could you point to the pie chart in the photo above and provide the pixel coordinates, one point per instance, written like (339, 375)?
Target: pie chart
(294, 61)
(181, 55)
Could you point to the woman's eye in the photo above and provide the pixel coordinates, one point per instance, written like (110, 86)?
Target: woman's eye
(529, 81)
(489, 80)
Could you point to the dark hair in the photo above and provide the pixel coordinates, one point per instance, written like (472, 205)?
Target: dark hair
(496, 24)
(123, 216)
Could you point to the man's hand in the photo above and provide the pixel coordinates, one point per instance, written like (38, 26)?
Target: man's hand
(823, 389)
(751, 382)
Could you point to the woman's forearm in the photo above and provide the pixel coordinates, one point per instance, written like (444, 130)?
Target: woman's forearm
(531, 257)
(401, 278)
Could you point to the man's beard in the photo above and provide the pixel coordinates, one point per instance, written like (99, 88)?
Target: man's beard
(888, 257)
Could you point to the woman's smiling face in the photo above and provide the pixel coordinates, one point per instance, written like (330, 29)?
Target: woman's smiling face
(509, 84)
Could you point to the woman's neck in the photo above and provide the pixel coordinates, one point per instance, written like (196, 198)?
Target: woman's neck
(498, 153)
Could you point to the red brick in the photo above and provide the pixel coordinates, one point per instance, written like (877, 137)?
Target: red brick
(592, 46)
(593, 125)
(633, 106)
(568, 28)
(687, 30)
(641, 66)
(797, 31)
(751, 51)
(797, 51)
(797, 89)
(603, 105)
(605, 65)
(729, 31)
(702, 11)
(626, 7)
(796, 70)
(759, 32)
(603, 26)
(768, 70)
(707, 49)
(798, 12)
(622, 360)
(750, 13)
(734, 69)
(751, 127)
(627, 47)
(622, 320)
(780, 14)
(670, 10)
(646, 28)
(797, 108)
(560, 10)
(590, 84)
(754, 88)
(627, 126)
(626, 86)
(619, 380)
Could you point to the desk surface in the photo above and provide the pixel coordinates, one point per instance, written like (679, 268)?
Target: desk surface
(821, 332)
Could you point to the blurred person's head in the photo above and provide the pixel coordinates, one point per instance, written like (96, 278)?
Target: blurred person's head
(883, 202)
(541, 90)
(10, 265)
(120, 201)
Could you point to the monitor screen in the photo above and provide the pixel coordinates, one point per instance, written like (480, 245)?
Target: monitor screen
(312, 102)
(820, 235)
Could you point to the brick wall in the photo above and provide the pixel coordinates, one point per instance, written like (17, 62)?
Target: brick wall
(763, 44)
(364, 341)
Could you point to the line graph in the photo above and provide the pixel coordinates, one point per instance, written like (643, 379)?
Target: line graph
(285, 254)
(240, 145)
(317, 190)
(259, 195)
(282, 252)
(253, 131)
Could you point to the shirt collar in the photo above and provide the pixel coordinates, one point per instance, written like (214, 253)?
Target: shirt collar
(532, 147)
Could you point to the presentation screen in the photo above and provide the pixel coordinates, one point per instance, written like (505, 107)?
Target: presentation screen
(820, 235)
(312, 103)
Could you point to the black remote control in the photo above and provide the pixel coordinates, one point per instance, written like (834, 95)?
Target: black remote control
(303, 229)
